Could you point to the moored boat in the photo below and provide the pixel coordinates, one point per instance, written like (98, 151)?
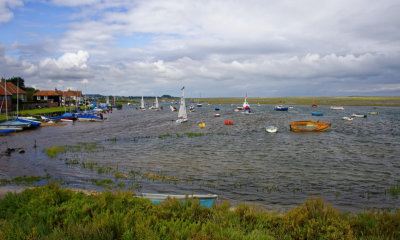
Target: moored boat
(271, 129)
(90, 118)
(337, 108)
(281, 108)
(206, 200)
(359, 115)
(217, 115)
(309, 126)
(347, 118)
(317, 114)
(373, 113)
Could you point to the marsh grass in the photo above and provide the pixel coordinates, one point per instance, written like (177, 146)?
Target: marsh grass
(25, 180)
(51, 212)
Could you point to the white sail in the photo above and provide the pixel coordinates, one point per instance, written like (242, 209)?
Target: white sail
(156, 106)
(142, 103)
(182, 115)
(245, 104)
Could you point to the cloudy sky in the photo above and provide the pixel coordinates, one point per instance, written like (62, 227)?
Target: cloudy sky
(226, 48)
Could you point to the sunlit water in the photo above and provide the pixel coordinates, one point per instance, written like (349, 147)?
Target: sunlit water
(353, 165)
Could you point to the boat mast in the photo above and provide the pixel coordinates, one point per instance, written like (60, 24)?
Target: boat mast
(5, 93)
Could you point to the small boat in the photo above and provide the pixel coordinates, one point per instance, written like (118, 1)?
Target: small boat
(359, 115)
(217, 115)
(216, 109)
(271, 129)
(246, 105)
(31, 122)
(373, 113)
(206, 200)
(174, 109)
(281, 108)
(314, 105)
(317, 114)
(199, 105)
(191, 109)
(337, 108)
(236, 110)
(4, 131)
(347, 118)
(14, 124)
(90, 118)
(182, 115)
(142, 104)
(228, 122)
(68, 117)
(309, 126)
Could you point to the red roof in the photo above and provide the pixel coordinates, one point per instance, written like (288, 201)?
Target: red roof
(70, 93)
(11, 88)
(48, 93)
(3, 92)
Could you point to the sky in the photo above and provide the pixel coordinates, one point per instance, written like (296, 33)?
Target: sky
(215, 48)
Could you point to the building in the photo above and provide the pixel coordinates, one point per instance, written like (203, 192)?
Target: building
(5, 100)
(58, 98)
(53, 98)
(14, 91)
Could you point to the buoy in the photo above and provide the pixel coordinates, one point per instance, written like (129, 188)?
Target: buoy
(228, 122)
(202, 125)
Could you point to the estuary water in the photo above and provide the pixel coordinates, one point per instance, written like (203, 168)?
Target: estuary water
(355, 165)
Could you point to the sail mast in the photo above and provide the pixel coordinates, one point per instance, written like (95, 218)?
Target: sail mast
(182, 108)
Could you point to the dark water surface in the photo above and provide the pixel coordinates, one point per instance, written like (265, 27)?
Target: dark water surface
(353, 165)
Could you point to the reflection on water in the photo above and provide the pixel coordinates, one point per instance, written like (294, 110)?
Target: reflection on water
(352, 165)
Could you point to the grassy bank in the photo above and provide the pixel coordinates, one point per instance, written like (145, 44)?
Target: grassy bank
(51, 212)
(343, 101)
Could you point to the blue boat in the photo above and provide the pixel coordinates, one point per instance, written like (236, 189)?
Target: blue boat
(216, 109)
(281, 108)
(317, 114)
(3, 131)
(206, 200)
(90, 118)
(31, 122)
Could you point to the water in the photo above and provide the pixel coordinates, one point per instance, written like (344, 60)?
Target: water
(353, 165)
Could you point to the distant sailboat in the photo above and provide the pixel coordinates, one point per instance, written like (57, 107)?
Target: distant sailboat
(182, 115)
(156, 106)
(142, 104)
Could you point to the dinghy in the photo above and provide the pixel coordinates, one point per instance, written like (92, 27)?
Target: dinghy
(317, 114)
(281, 108)
(337, 108)
(182, 115)
(271, 129)
(359, 115)
(309, 126)
(348, 118)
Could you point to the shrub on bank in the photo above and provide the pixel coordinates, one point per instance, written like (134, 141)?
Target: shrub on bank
(51, 212)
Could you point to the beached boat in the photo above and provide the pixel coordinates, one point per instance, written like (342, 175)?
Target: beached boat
(271, 129)
(182, 115)
(317, 114)
(206, 200)
(31, 122)
(337, 108)
(5, 131)
(281, 108)
(347, 118)
(90, 118)
(13, 124)
(359, 115)
(68, 117)
(309, 126)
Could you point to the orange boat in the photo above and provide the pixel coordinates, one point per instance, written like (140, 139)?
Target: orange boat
(309, 126)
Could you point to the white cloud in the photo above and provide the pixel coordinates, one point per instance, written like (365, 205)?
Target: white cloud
(6, 7)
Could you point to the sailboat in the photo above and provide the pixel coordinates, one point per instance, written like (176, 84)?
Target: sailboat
(142, 104)
(246, 105)
(155, 106)
(182, 115)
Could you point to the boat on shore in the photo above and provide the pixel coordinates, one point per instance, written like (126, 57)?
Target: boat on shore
(337, 108)
(206, 200)
(309, 126)
(90, 118)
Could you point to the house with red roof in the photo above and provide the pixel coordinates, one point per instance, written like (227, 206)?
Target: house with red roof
(58, 98)
(10, 90)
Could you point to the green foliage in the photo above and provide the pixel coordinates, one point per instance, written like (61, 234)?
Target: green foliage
(51, 212)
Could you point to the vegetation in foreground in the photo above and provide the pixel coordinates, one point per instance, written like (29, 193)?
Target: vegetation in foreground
(51, 212)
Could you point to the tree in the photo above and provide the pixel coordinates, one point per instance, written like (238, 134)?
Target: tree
(17, 81)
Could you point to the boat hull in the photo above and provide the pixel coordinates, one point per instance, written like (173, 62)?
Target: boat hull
(206, 200)
(309, 126)
(271, 129)
(181, 120)
(317, 114)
